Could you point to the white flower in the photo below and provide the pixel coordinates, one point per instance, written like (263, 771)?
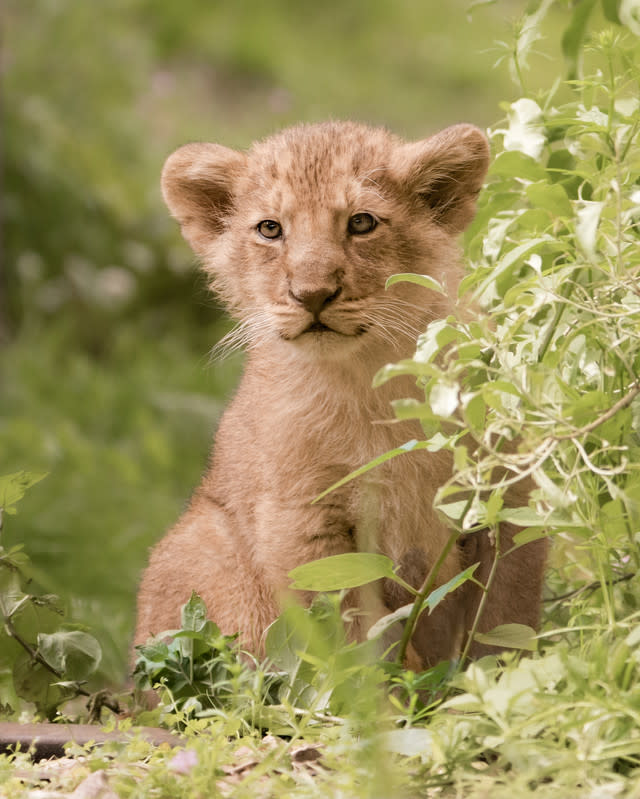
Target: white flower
(526, 131)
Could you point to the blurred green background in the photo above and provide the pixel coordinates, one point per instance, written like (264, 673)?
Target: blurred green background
(105, 327)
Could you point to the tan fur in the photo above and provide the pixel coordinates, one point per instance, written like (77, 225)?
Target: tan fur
(305, 413)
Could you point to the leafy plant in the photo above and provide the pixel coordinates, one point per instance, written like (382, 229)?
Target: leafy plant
(311, 674)
(201, 673)
(41, 660)
(543, 383)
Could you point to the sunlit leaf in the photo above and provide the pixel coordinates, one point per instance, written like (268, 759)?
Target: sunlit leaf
(14, 486)
(529, 517)
(510, 636)
(444, 399)
(410, 446)
(629, 14)
(437, 336)
(526, 129)
(384, 623)
(410, 742)
(587, 225)
(336, 572)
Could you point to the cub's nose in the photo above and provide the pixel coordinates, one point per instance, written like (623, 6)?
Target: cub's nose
(315, 299)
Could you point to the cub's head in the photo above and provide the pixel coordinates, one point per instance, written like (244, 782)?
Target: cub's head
(300, 233)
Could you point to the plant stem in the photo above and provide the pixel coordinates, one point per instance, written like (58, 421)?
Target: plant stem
(483, 599)
(589, 587)
(33, 653)
(560, 309)
(609, 414)
(422, 594)
(37, 657)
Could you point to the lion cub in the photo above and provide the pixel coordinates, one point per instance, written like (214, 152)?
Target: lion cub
(298, 236)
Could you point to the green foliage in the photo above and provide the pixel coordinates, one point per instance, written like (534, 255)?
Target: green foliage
(568, 718)
(311, 673)
(124, 438)
(41, 661)
(201, 674)
(544, 385)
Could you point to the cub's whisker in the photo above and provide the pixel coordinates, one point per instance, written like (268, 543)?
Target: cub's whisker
(247, 332)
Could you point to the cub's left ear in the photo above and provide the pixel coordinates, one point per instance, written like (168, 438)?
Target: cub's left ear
(446, 172)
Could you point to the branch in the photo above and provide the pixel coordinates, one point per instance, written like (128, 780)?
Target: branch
(588, 587)
(618, 406)
(36, 656)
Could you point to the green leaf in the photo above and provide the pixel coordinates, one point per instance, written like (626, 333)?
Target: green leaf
(72, 653)
(34, 683)
(509, 261)
(411, 409)
(510, 636)
(493, 393)
(400, 369)
(610, 10)
(587, 407)
(453, 510)
(528, 535)
(11, 594)
(410, 742)
(436, 596)
(475, 413)
(529, 517)
(550, 196)
(493, 507)
(516, 164)
(194, 614)
(342, 571)
(426, 281)
(437, 335)
(410, 446)
(383, 624)
(573, 36)
(14, 486)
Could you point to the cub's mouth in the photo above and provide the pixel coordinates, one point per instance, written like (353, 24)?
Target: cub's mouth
(319, 327)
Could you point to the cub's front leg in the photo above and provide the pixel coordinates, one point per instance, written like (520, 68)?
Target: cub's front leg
(205, 553)
(239, 565)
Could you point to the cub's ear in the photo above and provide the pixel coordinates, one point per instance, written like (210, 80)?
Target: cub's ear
(446, 172)
(198, 183)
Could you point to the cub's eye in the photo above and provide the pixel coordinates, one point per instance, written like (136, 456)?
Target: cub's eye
(362, 223)
(269, 229)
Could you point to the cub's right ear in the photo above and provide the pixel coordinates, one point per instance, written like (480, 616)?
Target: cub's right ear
(198, 183)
